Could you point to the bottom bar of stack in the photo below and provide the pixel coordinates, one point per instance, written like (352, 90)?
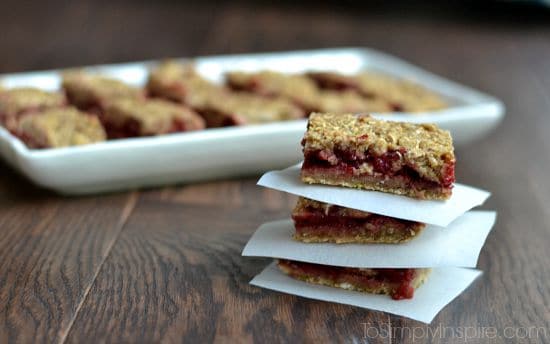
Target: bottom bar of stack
(398, 283)
(443, 285)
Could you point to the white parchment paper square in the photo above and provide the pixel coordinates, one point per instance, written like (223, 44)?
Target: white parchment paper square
(442, 286)
(459, 244)
(439, 213)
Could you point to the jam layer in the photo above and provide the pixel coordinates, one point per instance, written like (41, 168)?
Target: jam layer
(385, 173)
(389, 163)
(398, 283)
(341, 225)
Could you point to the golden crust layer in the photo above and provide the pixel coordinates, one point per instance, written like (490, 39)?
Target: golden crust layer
(421, 275)
(154, 116)
(60, 128)
(382, 238)
(423, 147)
(395, 186)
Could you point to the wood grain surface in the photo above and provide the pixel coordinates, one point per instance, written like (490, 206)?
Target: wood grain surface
(165, 265)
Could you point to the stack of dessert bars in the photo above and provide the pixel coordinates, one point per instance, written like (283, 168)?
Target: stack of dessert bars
(415, 161)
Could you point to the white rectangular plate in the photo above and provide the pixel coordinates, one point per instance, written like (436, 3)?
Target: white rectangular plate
(225, 152)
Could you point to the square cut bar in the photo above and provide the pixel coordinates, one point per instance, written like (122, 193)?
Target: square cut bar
(60, 127)
(298, 88)
(349, 101)
(17, 102)
(397, 283)
(241, 109)
(400, 95)
(317, 222)
(181, 83)
(93, 93)
(415, 160)
(138, 117)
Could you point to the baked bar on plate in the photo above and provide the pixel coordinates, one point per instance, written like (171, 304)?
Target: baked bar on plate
(398, 283)
(400, 95)
(17, 102)
(358, 151)
(59, 127)
(317, 222)
(298, 88)
(241, 108)
(349, 101)
(181, 83)
(92, 92)
(129, 117)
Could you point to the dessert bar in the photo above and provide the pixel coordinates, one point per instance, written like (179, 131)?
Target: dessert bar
(398, 283)
(240, 109)
(298, 88)
(317, 222)
(59, 127)
(358, 151)
(400, 95)
(92, 93)
(17, 102)
(181, 83)
(349, 101)
(129, 117)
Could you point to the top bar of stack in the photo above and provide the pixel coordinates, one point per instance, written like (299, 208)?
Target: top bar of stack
(358, 151)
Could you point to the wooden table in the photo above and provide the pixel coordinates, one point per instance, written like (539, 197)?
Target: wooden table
(165, 264)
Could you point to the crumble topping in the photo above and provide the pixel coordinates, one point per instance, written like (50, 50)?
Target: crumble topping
(299, 88)
(349, 101)
(60, 128)
(87, 89)
(409, 96)
(182, 83)
(170, 71)
(255, 109)
(423, 147)
(399, 94)
(153, 115)
(17, 100)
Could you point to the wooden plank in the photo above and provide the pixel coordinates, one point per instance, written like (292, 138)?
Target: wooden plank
(176, 274)
(51, 249)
